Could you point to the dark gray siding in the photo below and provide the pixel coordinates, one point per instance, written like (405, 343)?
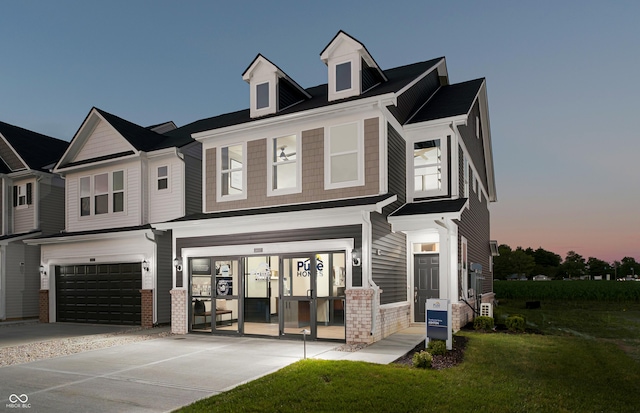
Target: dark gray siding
(397, 168)
(51, 219)
(305, 234)
(370, 77)
(164, 274)
(193, 180)
(475, 227)
(287, 94)
(412, 99)
(22, 281)
(389, 269)
(474, 145)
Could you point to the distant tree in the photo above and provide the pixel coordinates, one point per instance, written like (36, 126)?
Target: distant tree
(597, 267)
(547, 262)
(574, 265)
(501, 264)
(521, 262)
(628, 267)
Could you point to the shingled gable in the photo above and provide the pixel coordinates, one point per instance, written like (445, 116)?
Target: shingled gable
(22, 149)
(129, 139)
(271, 89)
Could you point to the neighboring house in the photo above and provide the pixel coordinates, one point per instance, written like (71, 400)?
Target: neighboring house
(32, 202)
(338, 209)
(111, 265)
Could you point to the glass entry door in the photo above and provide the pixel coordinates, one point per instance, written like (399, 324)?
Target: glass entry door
(299, 295)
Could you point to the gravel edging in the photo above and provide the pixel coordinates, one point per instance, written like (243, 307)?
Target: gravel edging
(27, 353)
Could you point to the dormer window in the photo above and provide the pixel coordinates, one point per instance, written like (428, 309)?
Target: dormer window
(262, 95)
(343, 76)
(352, 70)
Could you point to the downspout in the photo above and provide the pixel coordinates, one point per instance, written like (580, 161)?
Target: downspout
(155, 278)
(366, 258)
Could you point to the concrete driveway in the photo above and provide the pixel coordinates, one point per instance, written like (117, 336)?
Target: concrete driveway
(148, 376)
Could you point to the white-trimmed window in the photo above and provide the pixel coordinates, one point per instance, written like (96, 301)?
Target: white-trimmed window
(97, 191)
(343, 76)
(429, 177)
(284, 172)
(262, 95)
(464, 271)
(22, 195)
(162, 178)
(344, 157)
(465, 175)
(231, 170)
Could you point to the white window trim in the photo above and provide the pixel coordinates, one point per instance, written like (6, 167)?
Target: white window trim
(168, 178)
(327, 157)
(270, 164)
(253, 95)
(233, 197)
(355, 78)
(22, 192)
(110, 192)
(444, 151)
(464, 271)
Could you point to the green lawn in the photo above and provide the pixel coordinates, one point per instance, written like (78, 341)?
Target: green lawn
(585, 369)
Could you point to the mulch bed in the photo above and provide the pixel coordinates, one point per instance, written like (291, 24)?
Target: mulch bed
(452, 358)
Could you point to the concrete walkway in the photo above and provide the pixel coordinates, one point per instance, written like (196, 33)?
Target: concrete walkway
(166, 373)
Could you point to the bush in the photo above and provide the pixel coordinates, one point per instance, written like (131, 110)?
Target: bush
(422, 360)
(483, 323)
(515, 323)
(437, 347)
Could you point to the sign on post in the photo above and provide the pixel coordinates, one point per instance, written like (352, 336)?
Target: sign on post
(439, 321)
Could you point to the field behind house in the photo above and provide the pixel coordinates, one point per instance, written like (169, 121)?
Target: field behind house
(579, 355)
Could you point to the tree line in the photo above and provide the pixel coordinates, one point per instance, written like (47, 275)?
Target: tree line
(529, 262)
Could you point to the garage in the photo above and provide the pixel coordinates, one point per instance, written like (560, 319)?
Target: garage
(99, 293)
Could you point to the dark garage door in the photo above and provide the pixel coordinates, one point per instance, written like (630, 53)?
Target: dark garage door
(99, 293)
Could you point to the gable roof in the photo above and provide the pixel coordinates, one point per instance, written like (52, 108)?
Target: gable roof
(398, 78)
(140, 138)
(449, 101)
(37, 151)
(279, 72)
(364, 52)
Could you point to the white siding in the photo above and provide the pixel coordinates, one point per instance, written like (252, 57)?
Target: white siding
(23, 216)
(166, 204)
(104, 140)
(131, 215)
(131, 249)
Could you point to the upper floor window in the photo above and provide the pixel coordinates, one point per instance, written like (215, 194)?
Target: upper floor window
(231, 170)
(465, 176)
(344, 156)
(163, 177)
(22, 195)
(343, 76)
(284, 172)
(262, 95)
(427, 166)
(96, 191)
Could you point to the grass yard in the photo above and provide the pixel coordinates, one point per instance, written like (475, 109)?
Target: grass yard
(582, 363)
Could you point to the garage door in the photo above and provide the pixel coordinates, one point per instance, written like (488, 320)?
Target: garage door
(100, 293)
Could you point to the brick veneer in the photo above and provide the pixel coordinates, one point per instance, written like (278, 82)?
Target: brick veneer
(463, 314)
(146, 296)
(392, 319)
(179, 311)
(359, 304)
(44, 306)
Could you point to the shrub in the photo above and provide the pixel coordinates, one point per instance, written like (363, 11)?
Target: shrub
(437, 347)
(483, 323)
(515, 323)
(422, 360)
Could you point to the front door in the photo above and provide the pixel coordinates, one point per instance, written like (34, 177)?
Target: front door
(299, 296)
(426, 282)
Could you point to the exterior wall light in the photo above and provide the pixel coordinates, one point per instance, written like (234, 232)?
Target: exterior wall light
(355, 258)
(145, 266)
(177, 262)
(42, 270)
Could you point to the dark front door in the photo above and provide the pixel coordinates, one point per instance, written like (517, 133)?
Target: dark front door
(426, 282)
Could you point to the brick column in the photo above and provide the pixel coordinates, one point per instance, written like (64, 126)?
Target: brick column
(44, 306)
(359, 304)
(146, 296)
(179, 311)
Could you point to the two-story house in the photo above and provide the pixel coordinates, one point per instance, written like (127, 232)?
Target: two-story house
(110, 264)
(336, 210)
(31, 204)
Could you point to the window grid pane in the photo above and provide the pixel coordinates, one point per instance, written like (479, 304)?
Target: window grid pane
(343, 76)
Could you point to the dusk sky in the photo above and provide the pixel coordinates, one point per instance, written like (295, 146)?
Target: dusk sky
(563, 81)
